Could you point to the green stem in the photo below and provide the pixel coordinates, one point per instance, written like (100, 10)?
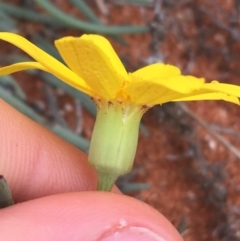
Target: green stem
(105, 181)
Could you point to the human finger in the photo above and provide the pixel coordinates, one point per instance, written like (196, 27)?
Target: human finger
(35, 162)
(92, 216)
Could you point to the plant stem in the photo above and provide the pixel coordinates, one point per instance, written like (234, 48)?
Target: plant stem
(105, 181)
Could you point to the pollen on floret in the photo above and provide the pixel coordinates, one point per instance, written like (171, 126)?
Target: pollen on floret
(134, 78)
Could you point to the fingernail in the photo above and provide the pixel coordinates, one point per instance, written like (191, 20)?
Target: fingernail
(132, 233)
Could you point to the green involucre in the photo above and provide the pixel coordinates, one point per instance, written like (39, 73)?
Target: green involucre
(114, 141)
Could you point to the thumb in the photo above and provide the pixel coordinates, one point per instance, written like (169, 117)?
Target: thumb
(91, 216)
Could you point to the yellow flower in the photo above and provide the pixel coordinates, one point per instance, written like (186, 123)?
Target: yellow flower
(121, 97)
(94, 68)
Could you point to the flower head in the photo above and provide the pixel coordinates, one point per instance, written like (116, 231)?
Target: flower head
(93, 67)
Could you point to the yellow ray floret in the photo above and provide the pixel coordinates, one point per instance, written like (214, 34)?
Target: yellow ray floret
(21, 66)
(95, 68)
(213, 91)
(157, 70)
(87, 57)
(46, 62)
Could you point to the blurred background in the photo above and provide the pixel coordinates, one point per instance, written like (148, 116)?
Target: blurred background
(188, 159)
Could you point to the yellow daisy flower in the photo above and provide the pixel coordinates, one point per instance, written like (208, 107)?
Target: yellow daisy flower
(94, 68)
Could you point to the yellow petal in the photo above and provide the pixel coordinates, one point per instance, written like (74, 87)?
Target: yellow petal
(223, 88)
(157, 71)
(157, 91)
(93, 58)
(209, 96)
(50, 64)
(21, 66)
(33, 65)
(215, 91)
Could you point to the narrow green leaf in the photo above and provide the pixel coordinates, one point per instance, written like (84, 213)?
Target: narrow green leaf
(83, 98)
(134, 187)
(8, 80)
(71, 137)
(5, 194)
(21, 106)
(89, 27)
(83, 7)
(28, 14)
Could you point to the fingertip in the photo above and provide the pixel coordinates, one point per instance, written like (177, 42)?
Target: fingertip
(85, 216)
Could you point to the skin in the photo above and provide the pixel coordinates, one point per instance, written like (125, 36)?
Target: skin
(54, 189)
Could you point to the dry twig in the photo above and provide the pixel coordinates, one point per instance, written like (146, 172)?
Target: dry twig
(207, 127)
